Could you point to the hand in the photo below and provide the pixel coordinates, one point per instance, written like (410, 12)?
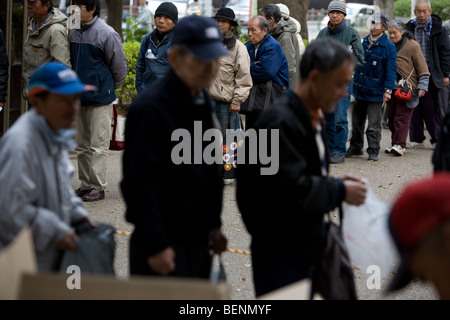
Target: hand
(445, 82)
(386, 97)
(217, 241)
(356, 191)
(421, 93)
(234, 107)
(163, 262)
(69, 242)
(2, 104)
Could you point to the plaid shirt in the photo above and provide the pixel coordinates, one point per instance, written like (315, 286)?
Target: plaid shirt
(422, 36)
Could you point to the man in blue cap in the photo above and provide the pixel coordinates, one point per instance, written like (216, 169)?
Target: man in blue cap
(35, 169)
(173, 201)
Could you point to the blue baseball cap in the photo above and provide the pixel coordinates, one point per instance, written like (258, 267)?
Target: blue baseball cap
(201, 35)
(57, 78)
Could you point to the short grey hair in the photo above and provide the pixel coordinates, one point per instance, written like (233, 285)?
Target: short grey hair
(397, 24)
(262, 22)
(424, 1)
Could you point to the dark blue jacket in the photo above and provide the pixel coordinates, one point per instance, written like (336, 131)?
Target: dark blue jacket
(97, 56)
(269, 63)
(150, 69)
(378, 72)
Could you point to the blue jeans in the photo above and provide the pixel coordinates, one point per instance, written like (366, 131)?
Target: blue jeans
(337, 124)
(227, 119)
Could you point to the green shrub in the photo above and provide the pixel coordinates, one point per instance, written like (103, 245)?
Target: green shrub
(127, 91)
(133, 32)
(402, 8)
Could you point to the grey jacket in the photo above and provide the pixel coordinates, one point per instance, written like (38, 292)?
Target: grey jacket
(44, 43)
(35, 174)
(286, 34)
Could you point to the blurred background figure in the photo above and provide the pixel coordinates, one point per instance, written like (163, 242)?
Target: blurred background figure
(420, 226)
(145, 19)
(285, 14)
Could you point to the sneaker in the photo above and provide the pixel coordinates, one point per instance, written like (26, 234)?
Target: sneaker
(228, 181)
(337, 158)
(397, 150)
(388, 150)
(352, 152)
(373, 157)
(415, 145)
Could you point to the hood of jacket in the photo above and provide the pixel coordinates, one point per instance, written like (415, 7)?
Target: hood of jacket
(53, 17)
(284, 26)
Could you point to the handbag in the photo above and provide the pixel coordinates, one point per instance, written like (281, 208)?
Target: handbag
(117, 141)
(333, 274)
(261, 96)
(405, 91)
(95, 252)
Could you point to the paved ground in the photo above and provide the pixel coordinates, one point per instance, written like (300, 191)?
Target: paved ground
(386, 177)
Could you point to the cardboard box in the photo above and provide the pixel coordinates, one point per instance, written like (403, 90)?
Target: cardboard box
(15, 259)
(48, 286)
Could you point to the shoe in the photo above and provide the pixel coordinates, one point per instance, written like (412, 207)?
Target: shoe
(93, 195)
(228, 181)
(81, 192)
(373, 157)
(352, 152)
(388, 150)
(397, 150)
(337, 158)
(415, 145)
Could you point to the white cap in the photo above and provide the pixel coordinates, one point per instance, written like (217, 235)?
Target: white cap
(284, 9)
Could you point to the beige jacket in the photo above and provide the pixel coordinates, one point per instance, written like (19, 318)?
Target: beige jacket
(48, 42)
(233, 82)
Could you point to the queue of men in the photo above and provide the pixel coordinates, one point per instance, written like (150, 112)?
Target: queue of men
(196, 71)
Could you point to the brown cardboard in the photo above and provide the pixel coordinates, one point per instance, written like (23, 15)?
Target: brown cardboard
(47, 286)
(299, 290)
(16, 258)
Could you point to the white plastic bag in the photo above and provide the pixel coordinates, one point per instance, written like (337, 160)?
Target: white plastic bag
(367, 236)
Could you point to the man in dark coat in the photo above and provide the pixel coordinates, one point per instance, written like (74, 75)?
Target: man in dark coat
(433, 39)
(284, 212)
(174, 201)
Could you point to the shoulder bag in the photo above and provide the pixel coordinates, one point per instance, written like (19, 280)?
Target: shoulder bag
(261, 96)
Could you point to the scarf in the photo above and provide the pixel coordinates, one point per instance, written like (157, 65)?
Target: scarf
(373, 39)
(229, 42)
(401, 43)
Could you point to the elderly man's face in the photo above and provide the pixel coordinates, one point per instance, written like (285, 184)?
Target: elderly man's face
(36, 10)
(329, 88)
(336, 18)
(422, 12)
(59, 110)
(194, 73)
(255, 34)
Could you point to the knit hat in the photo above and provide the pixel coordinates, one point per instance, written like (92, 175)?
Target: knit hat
(168, 9)
(422, 207)
(337, 5)
(226, 13)
(284, 9)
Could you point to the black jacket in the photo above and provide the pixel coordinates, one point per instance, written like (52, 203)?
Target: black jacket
(168, 203)
(3, 69)
(439, 64)
(284, 212)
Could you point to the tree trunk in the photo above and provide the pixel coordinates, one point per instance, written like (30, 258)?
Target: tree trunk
(298, 10)
(386, 6)
(115, 15)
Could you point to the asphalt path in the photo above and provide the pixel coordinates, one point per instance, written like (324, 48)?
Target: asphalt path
(386, 177)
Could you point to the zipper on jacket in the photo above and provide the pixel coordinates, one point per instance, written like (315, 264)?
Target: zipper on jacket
(79, 49)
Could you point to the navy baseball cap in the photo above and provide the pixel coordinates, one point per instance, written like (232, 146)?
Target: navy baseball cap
(201, 35)
(57, 78)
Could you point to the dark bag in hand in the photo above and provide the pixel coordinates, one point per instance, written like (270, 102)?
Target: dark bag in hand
(261, 96)
(95, 253)
(333, 277)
